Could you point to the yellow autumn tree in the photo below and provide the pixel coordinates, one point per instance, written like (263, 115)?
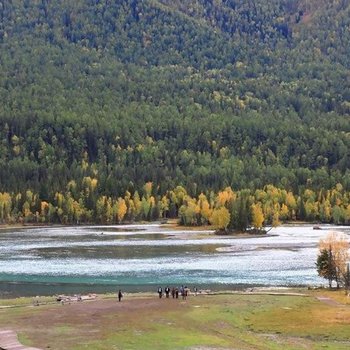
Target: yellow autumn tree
(276, 215)
(44, 209)
(59, 198)
(284, 212)
(311, 209)
(145, 208)
(220, 218)
(27, 206)
(130, 214)
(147, 189)
(137, 205)
(78, 211)
(71, 186)
(225, 197)
(291, 203)
(337, 244)
(101, 209)
(180, 194)
(5, 206)
(90, 185)
(121, 209)
(325, 211)
(273, 193)
(189, 211)
(26, 211)
(257, 216)
(153, 209)
(205, 210)
(164, 206)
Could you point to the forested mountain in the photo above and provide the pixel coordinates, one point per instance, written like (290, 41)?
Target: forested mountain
(199, 93)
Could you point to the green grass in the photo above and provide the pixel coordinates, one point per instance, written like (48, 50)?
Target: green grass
(218, 322)
(26, 301)
(24, 339)
(162, 337)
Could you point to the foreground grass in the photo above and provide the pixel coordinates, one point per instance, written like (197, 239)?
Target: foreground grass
(237, 321)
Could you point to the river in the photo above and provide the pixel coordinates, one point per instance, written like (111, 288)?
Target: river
(50, 260)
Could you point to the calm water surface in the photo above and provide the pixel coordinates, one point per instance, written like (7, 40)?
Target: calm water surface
(138, 257)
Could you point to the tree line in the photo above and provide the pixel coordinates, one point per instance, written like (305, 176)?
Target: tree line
(226, 210)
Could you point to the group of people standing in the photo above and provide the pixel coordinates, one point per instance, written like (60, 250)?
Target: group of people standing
(183, 291)
(175, 292)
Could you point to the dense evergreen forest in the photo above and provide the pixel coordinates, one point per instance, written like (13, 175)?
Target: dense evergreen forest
(100, 98)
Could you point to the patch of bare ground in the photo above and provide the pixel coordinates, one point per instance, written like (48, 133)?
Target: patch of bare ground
(296, 342)
(330, 301)
(95, 319)
(209, 348)
(299, 343)
(9, 341)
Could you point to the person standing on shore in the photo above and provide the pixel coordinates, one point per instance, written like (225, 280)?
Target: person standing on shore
(120, 295)
(182, 292)
(173, 292)
(160, 292)
(167, 291)
(185, 293)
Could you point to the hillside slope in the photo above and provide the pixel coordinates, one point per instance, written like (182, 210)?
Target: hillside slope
(205, 94)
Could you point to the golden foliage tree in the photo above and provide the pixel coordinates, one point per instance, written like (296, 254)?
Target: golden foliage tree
(189, 211)
(137, 205)
(220, 218)
(337, 244)
(225, 196)
(284, 212)
(257, 216)
(5, 206)
(164, 206)
(147, 189)
(205, 210)
(121, 209)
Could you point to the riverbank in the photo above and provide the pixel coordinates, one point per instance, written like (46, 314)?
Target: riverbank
(171, 224)
(274, 319)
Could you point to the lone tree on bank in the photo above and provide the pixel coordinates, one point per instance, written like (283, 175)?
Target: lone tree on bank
(333, 258)
(325, 265)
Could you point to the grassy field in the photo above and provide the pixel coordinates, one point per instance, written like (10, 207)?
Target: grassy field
(225, 321)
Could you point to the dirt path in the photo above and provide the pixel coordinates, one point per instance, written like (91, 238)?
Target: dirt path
(329, 301)
(9, 341)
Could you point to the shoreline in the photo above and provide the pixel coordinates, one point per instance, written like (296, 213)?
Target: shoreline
(169, 224)
(186, 232)
(13, 290)
(90, 297)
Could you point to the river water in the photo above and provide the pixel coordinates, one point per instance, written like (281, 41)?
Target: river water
(139, 257)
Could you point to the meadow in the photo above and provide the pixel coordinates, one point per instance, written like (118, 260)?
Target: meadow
(268, 320)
